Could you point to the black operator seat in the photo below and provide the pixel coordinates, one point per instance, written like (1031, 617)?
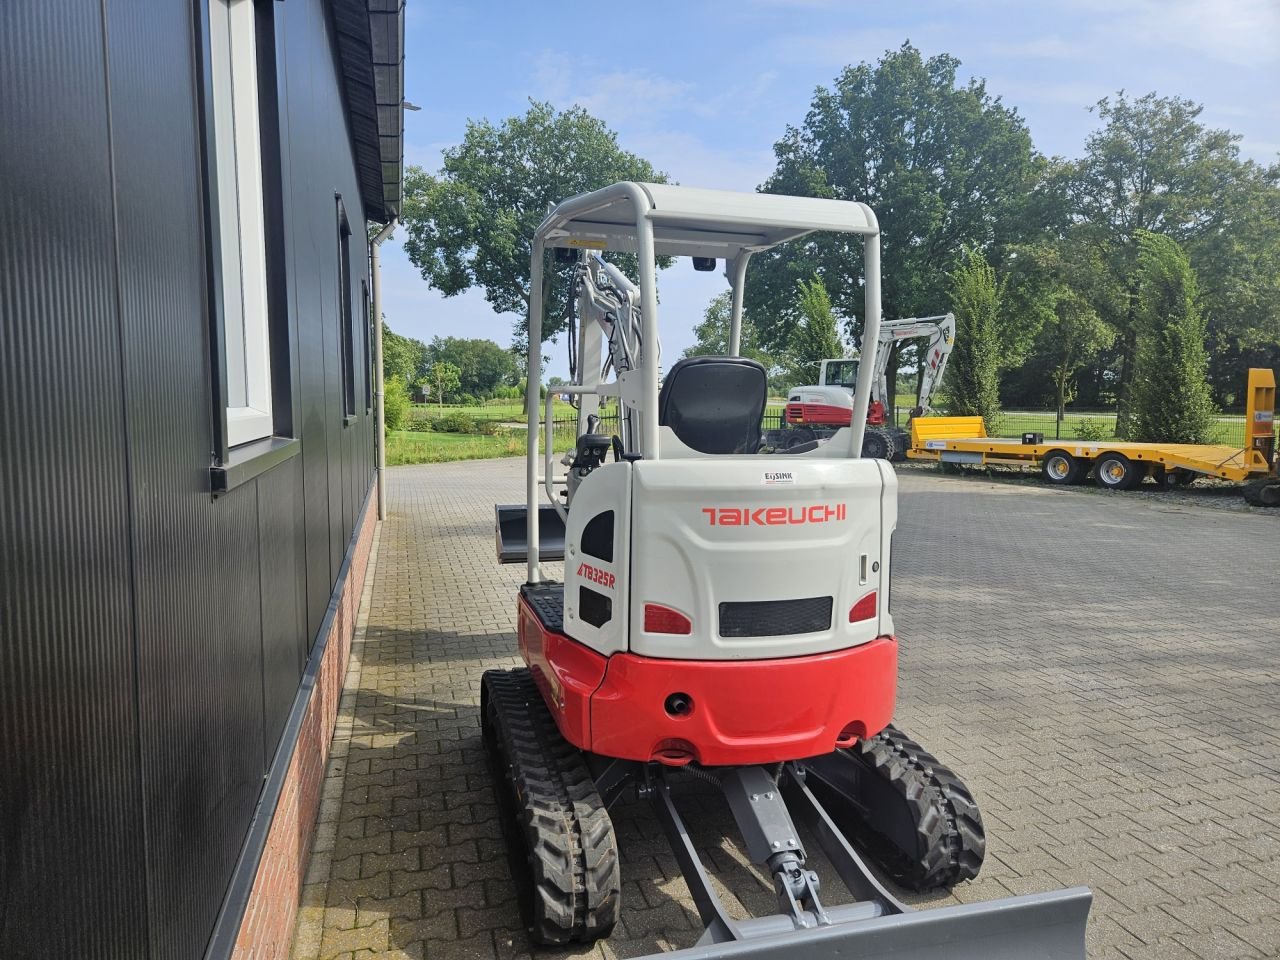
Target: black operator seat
(715, 405)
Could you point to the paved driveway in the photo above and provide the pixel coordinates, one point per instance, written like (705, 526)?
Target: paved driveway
(1100, 668)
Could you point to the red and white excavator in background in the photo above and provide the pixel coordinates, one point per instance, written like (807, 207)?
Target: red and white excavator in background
(696, 607)
(816, 412)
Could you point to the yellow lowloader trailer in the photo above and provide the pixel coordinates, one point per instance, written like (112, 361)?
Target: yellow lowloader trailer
(1116, 464)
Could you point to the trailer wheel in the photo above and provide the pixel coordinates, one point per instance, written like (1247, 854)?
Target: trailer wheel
(1115, 471)
(1060, 468)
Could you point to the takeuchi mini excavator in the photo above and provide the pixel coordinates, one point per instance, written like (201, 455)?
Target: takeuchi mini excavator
(723, 615)
(814, 412)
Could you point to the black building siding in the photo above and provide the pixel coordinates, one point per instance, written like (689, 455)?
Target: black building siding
(151, 637)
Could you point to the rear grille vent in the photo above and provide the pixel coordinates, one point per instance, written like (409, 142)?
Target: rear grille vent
(775, 618)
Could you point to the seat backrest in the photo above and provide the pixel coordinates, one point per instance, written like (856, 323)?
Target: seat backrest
(715, 404)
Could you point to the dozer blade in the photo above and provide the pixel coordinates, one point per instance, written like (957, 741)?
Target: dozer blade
(1041, 926)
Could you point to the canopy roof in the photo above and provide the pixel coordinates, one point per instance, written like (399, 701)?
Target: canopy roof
(690, 221)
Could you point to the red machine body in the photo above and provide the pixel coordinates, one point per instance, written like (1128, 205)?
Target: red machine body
(621, 705)
(800, 413)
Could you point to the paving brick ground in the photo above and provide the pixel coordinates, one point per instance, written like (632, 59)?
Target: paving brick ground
(1100, 668)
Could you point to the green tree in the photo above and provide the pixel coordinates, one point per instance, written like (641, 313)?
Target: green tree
(1052, 286)
(471, 224)
(395, 402)
(402, 356)
(482, 365)
(816, 337)
(1073, 338)
(711, 338)
(443, 378)
(1152, 166)
(1170, 399)
(1238, 274)
(943, 164)
(973, 376)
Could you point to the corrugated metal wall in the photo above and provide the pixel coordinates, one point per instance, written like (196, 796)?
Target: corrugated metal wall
(151, 638)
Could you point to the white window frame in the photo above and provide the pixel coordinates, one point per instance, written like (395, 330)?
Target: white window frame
(241, 243)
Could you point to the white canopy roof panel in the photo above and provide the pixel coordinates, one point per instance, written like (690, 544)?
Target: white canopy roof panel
(691, 221)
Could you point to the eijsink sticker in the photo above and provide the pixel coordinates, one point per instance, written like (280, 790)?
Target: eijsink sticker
(774, 477)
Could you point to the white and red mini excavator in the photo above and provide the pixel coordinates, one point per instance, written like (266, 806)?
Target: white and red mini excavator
(723, 614)
(815, 412)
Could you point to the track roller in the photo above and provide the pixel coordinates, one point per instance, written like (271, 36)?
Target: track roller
(913, 815)
(571, 890)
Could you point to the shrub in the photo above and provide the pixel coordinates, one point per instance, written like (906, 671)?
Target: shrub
(395, 402)
(454, 422)
(1091, 430)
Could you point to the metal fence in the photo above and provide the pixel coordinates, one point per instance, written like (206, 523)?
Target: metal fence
(1086, 425)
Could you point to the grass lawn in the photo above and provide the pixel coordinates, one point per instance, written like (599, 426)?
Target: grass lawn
(1226, 430)
(505, 410)
(407, 446)
(411, 446)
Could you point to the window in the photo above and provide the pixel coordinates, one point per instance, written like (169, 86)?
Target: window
(842, 373)
(235, 157)
(345, 327)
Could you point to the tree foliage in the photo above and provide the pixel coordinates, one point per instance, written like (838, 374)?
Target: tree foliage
(395, 402)
(402, 356)
(815, 337)
(973, 377)
(711, 338)
(1052, 288)
(1152, 166)
(482, 365)
(472, 223)
(443, 380)
(944, 165)
(1170, 399)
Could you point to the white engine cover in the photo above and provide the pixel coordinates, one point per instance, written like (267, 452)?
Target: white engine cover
(736, 530)
(830, 396)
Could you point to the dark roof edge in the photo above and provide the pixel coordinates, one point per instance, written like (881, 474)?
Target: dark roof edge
(370, 47)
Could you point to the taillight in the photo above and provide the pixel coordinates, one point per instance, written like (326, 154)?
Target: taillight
(864, 609)
(660, 619)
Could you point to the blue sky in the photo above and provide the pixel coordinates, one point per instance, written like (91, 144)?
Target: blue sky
(704, 89)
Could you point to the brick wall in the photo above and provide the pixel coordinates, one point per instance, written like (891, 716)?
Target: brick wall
(267, 927)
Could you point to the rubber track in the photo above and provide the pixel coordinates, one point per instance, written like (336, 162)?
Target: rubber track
(566, 831)
(951, 841)
(1264, 492)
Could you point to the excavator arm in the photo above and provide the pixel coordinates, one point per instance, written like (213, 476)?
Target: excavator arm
(941, 333)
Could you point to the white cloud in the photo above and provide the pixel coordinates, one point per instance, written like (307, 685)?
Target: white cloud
(629, 97)
(692, 162)
(653, 116)
(1038, 48)
(1241, 32)
(841, 47)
